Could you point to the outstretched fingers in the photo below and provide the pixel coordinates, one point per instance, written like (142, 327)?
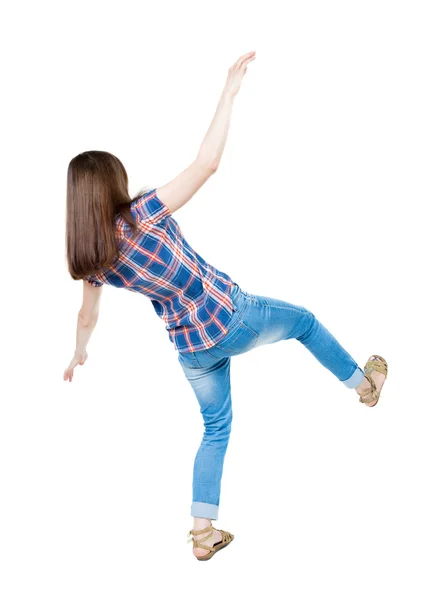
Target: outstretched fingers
(244, 60)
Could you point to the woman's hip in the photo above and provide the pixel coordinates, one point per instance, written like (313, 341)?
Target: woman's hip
(257, 320)
(272, 319)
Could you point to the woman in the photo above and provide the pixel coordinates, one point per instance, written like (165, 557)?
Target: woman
(137, 244)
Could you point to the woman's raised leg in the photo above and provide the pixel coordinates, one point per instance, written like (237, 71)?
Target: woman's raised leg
(274, 320)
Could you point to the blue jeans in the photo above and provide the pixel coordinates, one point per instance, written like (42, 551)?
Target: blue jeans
(257, 320)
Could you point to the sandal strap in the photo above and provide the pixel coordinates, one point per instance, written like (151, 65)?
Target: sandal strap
(226, 536)
(379, 365)
(198, 543)
(365, 397)
(198, 531)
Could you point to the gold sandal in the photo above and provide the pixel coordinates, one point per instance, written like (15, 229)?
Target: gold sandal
(226, 539)
(379, 364)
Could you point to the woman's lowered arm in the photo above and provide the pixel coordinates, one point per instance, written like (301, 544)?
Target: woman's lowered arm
(183, 187)
(87, 319)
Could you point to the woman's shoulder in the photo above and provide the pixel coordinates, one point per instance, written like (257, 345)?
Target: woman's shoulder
(147, 207)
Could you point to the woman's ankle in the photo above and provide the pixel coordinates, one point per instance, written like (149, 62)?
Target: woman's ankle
(201, 523)
(363, 387)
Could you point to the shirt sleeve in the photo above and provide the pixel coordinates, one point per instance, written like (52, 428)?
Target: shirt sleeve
(95, 282)
(150, 208)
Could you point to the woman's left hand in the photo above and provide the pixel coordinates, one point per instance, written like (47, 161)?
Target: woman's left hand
(78, 359)
(236, 72)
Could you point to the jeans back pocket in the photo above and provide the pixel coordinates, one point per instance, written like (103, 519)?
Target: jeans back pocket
(238, 340)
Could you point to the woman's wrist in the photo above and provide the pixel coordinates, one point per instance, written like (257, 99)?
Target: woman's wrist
(227, 96)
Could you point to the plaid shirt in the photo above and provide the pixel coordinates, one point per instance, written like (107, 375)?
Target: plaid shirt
(191, 296)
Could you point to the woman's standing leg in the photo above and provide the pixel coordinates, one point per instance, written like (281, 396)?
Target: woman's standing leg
(212, 388)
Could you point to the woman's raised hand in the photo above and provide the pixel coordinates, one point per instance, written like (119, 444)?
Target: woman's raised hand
(236, 73)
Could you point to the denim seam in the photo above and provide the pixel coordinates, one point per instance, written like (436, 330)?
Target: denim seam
(239, 313)
(236, 333)
(302, 310)
(255, 333)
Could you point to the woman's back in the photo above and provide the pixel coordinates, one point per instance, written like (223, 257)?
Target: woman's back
(191, 296)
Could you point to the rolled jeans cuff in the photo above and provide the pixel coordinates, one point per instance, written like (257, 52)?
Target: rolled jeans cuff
(356, 378)
(204, 510)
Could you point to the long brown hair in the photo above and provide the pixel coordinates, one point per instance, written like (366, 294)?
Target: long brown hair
(96, 192)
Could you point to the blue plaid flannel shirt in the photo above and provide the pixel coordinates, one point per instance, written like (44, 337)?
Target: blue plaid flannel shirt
(191, 296)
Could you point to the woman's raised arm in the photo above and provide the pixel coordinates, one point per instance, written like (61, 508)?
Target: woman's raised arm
(182, 188)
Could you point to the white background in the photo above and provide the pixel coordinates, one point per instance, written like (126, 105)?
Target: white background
(330, 194)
